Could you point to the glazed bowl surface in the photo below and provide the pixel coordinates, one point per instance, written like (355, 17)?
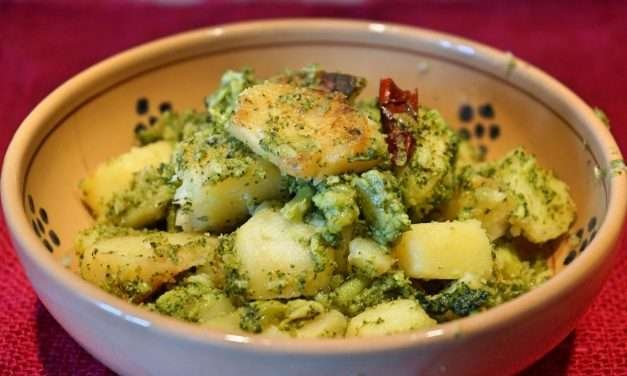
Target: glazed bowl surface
(497, 100)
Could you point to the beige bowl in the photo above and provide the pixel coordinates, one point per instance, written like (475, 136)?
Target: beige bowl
(501, 102)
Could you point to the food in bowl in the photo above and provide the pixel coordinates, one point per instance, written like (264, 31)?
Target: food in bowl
(290, 207)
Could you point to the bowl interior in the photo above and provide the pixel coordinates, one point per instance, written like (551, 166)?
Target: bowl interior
(484, 104)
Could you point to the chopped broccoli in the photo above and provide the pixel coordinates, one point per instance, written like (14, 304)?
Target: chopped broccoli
(222, 102)
(259, 315)
(428, 179)
(353, 297)
(173, 127)
(195, 299)
(300, 205)
(457, 300)
(381, 204)
(514, 276)
(370, 107)
(337, 200)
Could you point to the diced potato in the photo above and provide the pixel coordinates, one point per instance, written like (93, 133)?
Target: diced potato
(134, 264)
(220, 178)
(545, 209)
(513, 195)
(306, 133)
(116, 175)
(228, 323)
(483, 199)
(144, 202)
(393, 317)
(331, 324)
(195, 299)
(369, 257)
(280, 258)
(445, 250)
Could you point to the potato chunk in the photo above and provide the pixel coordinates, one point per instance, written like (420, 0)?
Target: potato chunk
(219, 178)
(445, 250)
(306, 133)
(133, 264)
(115, 176)
(393, 317)
(544, 209)
(369, 258)
(278, 258)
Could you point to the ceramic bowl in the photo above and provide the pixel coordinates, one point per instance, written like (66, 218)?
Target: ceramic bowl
(497, 100)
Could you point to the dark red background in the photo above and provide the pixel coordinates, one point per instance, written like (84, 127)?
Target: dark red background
(43, 44)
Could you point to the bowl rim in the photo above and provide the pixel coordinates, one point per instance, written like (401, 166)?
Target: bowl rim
(27, 245)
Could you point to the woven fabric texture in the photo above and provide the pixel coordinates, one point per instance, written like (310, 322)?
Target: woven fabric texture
(43, 44)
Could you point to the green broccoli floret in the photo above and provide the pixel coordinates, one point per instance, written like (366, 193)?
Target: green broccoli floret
(371, 109)
(195, 299)
(173, 127)
(257, 316)
(299, 206)
(381, 205)
(457, 300)
(356, 294)
(513, 276)
(428, 179)
(222, 102)
(337, 201)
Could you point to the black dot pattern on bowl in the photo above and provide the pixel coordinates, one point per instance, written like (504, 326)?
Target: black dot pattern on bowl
(142, 106)
(31, 204)
(579, 233)
(40, 226)
(35, 228)
(570, 257)
(593, 235)
(466, 113)
(583, 246)
(47, 245)
(140, 127)
(54, 238)
(481, 115)
(165, 107)
(479, 130)
(592, 223)
(143, 109)
(43, 215)
(495, 131)
(486, 111)
(39, 220)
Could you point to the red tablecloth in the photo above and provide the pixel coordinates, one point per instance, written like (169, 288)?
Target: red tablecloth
(43, 44)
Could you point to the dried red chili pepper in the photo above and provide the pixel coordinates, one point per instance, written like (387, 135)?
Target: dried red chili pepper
(393, 100)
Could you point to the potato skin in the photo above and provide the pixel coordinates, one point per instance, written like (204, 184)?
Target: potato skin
(307, 133)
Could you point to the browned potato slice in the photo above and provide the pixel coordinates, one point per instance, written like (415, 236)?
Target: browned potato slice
(305, 132)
